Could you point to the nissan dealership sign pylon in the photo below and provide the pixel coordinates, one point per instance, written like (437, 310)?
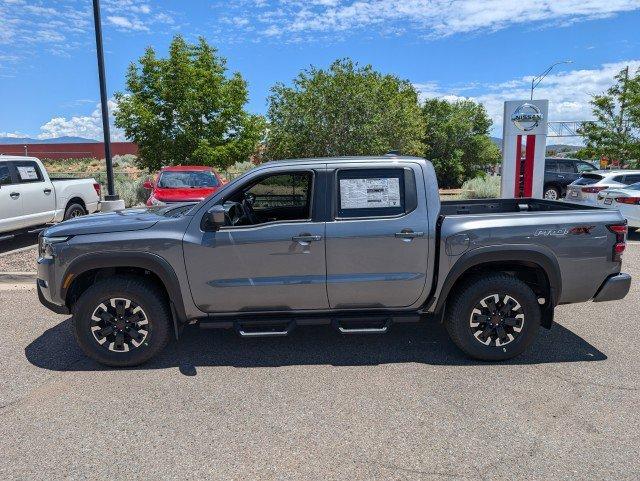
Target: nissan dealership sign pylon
(524, 144)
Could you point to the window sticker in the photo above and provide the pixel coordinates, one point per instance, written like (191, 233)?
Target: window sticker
(27, 173)
(369, 193)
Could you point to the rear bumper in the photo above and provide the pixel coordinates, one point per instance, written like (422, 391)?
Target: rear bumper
(613, 288)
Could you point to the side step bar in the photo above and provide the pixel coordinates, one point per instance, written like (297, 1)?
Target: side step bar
(270, 329)
(278, 326)
(364, 326)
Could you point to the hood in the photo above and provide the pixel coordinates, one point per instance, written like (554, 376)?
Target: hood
(125, 220)
(183, 195)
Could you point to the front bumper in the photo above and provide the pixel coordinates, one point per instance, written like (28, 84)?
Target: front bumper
(47, 288)
(613, 288)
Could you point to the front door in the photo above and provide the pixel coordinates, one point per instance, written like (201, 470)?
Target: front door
(271, 256)
(378, 242)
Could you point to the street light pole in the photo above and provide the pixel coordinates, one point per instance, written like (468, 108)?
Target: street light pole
(535, 81)
(111, 193)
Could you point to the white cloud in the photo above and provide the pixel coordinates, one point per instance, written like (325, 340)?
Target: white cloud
(60, 27)
(432, 17)
(568, 92)
(126, 24)
(88, 126)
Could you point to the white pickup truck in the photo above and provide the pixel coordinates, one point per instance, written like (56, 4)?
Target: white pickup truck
(29, 198)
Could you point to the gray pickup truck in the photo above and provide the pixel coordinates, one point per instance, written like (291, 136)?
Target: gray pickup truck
(359, 243)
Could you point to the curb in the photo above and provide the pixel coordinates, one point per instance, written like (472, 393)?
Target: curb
(13, 277)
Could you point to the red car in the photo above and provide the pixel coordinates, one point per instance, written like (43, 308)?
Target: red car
(183, 184)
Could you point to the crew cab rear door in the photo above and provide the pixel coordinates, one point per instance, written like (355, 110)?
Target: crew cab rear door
(377, 240)
(277, 263)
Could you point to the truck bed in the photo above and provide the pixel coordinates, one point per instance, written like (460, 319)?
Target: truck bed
(499, 206)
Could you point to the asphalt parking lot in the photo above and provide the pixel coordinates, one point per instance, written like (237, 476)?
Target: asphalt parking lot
(317, 405)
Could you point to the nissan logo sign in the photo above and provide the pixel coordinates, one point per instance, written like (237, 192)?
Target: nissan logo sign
(526, 117)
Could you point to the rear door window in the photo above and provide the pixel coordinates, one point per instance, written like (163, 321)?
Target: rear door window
(28, 171)
(371, 192)
(566, 167)
(588, 179)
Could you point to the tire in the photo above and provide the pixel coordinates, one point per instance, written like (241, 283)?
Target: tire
(551, 193)
(101, 301)
(74, 210)
(465, 311)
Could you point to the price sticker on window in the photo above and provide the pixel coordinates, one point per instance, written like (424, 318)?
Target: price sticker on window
(369, 193)
(27, 173)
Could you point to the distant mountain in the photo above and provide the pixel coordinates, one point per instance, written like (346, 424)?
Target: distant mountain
(555, 148)
(57, 140)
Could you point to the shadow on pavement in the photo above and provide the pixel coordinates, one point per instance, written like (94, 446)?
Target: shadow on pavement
(425, 343)
(20, 240)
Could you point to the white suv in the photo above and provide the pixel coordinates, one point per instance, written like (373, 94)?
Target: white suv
(585, 189)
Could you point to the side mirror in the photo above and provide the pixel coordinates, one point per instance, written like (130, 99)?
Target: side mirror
(148, 185)
(215, 217)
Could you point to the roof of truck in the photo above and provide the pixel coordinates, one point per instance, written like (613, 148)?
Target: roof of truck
(359, 158)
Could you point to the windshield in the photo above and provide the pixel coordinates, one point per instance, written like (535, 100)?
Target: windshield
(195, 179)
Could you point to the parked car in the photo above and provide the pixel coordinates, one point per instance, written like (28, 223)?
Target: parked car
(559, 173)
(183, 184)
(626, 200)
(29, 198)
(585, 190)
(359, 243)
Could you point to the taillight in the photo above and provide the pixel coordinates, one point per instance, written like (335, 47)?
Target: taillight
(98, 189)
(592, 190)
(620, 230)
(628, 200)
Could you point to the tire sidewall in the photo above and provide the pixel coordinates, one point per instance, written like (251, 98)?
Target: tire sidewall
(101, 293)
(74, 207)
(458, 322)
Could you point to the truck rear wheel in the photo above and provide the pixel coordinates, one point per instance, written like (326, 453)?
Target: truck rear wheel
(74, 210)
(122, 321)
(493, 318)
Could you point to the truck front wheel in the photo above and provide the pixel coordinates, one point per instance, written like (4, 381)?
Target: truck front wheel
(122, 321)
(493, 318)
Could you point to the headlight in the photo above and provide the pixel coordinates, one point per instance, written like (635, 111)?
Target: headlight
(45, 245)
(155, 201)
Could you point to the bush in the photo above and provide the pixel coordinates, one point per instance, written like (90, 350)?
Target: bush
(131, 191)
(485, 187)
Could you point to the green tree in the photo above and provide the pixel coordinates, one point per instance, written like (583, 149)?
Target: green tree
(615, 134)
(184, 109)
(457, 140)
(344, 110)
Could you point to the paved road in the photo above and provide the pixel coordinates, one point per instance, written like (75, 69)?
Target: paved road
(319, 406)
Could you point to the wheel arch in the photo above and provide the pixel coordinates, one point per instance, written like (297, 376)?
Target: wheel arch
(75, 200)
(84, 270)
(537, 267)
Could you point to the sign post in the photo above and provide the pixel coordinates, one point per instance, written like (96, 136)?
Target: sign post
(524, 144)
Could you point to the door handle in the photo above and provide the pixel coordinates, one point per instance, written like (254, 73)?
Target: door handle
(14, 195)
(561, 177)
(47, 191)
(408, 234)
(306, 238)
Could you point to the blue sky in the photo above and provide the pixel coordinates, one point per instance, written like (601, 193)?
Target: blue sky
(486, 50)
